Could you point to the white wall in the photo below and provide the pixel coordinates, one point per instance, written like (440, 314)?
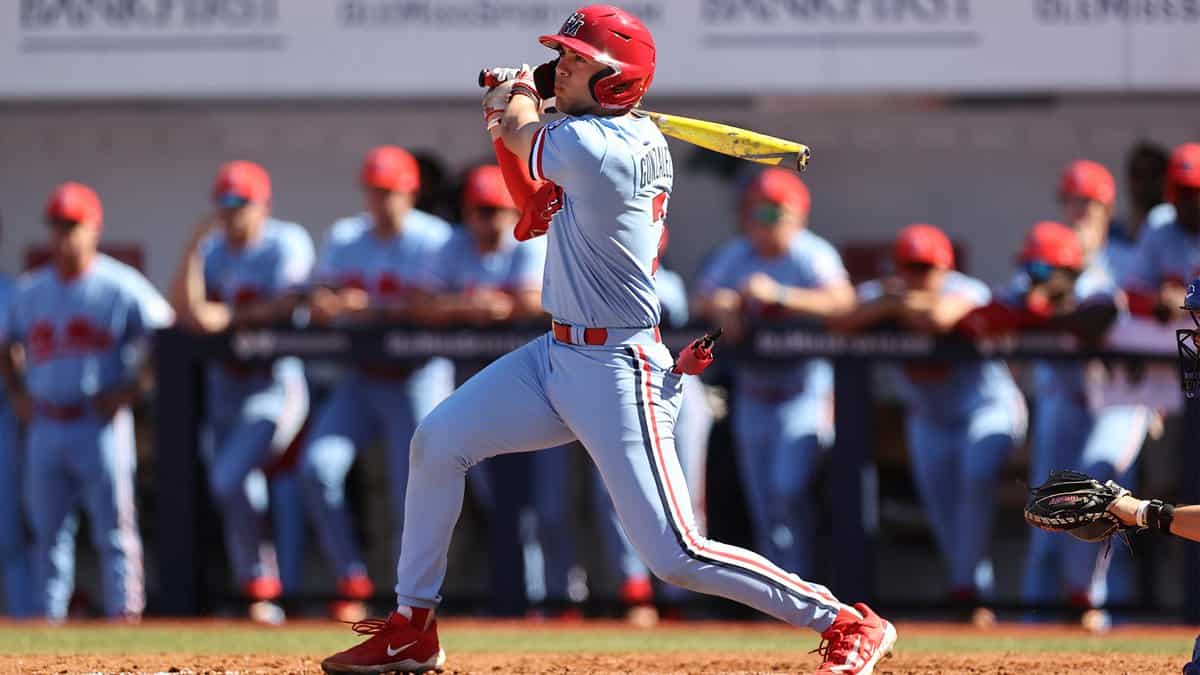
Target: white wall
(984, 174)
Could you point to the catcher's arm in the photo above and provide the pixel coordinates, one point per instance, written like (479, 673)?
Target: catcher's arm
(1184, 521)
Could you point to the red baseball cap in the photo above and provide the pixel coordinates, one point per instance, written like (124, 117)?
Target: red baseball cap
(779, 186)
(1090, 180)
(1183, 168)
(391, 168)
(242, 180)
(74, 202)
(485, 186)
(1054, 244)
(924, 243)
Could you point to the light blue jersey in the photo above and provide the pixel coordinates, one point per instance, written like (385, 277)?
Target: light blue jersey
(515, 266)
(277, 263)
(951, 391)
(1120, 249)
(353, 256)
(77, 333)
(1166, 253)
(82, 337)
(604, 242)
(810, 262)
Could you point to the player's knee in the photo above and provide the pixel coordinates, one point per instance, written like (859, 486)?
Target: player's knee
(677, 569)
(431, 442)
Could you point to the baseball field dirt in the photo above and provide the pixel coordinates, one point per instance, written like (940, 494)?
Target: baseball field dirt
(592, 647)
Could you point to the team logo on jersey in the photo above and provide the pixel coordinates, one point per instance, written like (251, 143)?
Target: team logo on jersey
(572, 25)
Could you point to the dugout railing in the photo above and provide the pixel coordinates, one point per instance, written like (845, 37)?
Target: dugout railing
(180, 357)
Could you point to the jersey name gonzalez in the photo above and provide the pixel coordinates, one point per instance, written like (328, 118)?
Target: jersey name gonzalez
(651, 166)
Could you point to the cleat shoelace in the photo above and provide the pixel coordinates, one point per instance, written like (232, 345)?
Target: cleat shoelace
(833, 649)
(367, 626)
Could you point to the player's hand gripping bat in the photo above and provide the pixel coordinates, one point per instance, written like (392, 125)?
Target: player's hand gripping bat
(722, 138)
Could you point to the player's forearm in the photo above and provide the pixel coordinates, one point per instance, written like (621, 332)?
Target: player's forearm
(821, 303)
(518, 126)
(864, 316)
(10, 371)
(945, 314)
(711, 305)
(1086, 320)
(1185, 520)
(265, 311)
(528, 304)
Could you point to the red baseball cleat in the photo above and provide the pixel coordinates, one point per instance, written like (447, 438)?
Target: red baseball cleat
(355, 587)
(853, 645)
(396, 645)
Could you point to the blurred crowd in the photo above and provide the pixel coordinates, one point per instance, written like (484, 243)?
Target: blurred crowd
(78, 330)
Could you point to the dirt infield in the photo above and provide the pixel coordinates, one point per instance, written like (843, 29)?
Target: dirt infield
(672, 663)
(518, 647)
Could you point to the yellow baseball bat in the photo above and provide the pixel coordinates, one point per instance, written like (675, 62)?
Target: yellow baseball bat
(722, 138)
(732, 141)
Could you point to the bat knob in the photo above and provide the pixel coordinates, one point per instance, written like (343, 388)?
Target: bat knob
(483, 74)
(802, 160)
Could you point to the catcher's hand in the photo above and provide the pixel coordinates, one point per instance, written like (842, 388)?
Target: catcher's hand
(1075, 503)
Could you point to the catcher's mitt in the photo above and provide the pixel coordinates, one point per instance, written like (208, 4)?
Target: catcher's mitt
(1075, 503)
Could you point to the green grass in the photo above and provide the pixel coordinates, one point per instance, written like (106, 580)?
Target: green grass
(317, 640)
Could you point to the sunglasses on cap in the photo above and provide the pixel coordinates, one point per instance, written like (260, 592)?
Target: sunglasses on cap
(60, 223)
(916, 267)
(1038, 271)
(487, 210)
(766, 213)
(232, 201)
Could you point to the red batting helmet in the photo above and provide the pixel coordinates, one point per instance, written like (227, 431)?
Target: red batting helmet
(1183, 168)
(485, 186)
(1054, 244)
(243, 180)
(75, 202)
(780, 186)
(923, 243)
(617, 39)
(391, 168)
(1090, 180)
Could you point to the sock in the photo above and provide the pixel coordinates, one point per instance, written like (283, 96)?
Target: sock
(404, 611)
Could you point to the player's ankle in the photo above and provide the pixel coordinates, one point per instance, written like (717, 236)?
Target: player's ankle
(404, 611)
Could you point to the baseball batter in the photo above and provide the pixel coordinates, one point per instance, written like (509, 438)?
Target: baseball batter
(601, 375)
(243, 268)
(963, 419)
(81, 323)
(783, 415)
(373, 266)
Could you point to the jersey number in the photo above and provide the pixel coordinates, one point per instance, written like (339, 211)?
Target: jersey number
(658, 216)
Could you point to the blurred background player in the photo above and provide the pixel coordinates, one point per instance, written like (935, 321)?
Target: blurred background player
(963, 419)
(1054, 291)
(783, 414)
(14, 549)
(1145, 208)
(486, 277)
(1073, 427)
(1169, 255)
(75, 360)
(241, 268)
(374, 266)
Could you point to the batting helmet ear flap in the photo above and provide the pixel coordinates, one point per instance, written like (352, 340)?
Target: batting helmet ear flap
(604, 72)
